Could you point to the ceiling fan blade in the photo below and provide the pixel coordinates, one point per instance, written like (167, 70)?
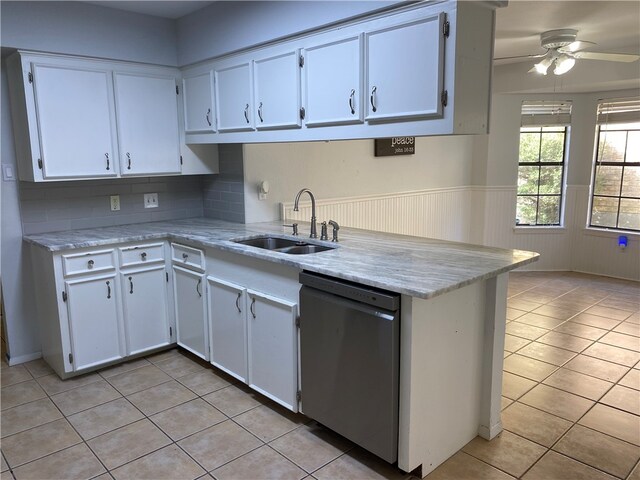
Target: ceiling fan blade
(576, 46)
(611, 57)
(521, 56)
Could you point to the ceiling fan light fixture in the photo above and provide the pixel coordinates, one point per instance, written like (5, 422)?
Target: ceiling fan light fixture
(564, 63)
(543, 65)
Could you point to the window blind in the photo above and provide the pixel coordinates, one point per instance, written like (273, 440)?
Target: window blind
(546, 113)
(624, 110)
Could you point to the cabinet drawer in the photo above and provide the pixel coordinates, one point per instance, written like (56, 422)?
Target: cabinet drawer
(187, 256)
(141, 254)
(88, 262)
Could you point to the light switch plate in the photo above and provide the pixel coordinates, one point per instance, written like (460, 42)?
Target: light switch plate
(150, 200)
(7, 173)
(115, 202)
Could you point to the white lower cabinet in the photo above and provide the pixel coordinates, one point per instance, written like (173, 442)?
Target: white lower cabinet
(191, 320)
(273, 348)
(95, 325)
(228, 327)
(144, 296)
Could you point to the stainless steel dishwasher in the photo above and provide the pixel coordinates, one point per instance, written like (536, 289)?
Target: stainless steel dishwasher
(349, 354)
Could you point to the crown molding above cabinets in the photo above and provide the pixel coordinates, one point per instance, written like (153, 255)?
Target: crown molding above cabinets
(78, 118)
(414, 71)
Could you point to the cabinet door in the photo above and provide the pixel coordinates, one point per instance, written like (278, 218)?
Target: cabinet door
(233, 98)
(333, 79)
(144, 294)
(191, 323)
(405, 65)
(228, 327)
(273, 348)
(277, 91)
(147, 113)
(75, 120)
(94, 321)
(199, 113)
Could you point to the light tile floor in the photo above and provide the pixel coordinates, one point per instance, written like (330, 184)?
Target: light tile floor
(571, 408)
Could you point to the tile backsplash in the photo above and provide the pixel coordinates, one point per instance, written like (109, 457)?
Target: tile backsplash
(49, 207)
(224, 193)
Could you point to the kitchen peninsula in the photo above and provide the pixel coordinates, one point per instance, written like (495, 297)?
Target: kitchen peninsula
(453, 307)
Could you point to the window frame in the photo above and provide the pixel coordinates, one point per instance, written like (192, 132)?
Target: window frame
(564, 129)
(596, 164)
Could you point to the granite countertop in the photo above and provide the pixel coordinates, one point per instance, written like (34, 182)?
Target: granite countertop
(416, 266)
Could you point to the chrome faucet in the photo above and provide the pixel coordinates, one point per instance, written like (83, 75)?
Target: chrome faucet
(314, 233)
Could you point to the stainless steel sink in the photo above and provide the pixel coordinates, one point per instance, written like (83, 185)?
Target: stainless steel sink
(283, 245)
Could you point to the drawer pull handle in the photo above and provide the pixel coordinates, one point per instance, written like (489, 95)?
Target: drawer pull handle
(373, 100)
(253, 303)
(90, 264)
(185, 256)
(246, 112)
(128, 161)
(144, 256)
(208, 116)
(131, 285)
(107, 155)
(198, 288)
(108, 289)
(351, 101)
(238, 302)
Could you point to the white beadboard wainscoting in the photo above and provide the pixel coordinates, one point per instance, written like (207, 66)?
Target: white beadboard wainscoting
(485, 215)
(442, 213)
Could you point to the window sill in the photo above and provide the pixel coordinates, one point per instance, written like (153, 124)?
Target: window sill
(603, 232)
(526, 229)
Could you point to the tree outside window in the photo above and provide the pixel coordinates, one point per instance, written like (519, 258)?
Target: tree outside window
(540, 176)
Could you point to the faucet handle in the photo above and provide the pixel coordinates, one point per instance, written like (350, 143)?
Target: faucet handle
(294, 226)
(336, 227)
(323, 231)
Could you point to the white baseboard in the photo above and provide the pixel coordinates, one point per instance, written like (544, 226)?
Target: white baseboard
(23, 358)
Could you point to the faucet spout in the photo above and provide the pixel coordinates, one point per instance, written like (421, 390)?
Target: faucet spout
(314, 233)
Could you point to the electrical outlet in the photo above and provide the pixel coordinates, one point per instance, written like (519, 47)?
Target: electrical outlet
(115, 203)
(150, 200)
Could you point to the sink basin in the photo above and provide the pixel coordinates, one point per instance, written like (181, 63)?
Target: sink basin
(283, 245)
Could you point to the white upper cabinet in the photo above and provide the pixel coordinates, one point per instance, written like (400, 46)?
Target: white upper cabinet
(199, 112)
(277, 91)
(233, 98)
(148, 129)
(404, 70)
(332, 81)
(75, 117)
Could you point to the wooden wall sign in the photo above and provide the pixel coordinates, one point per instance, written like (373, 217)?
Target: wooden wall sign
(385, 147)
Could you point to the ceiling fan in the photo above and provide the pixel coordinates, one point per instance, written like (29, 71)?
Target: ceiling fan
(563, 50)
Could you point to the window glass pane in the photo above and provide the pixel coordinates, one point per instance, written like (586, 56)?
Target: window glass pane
(629, 214)
(611, 146)
(549, 210)
(633, 148)
(608, 180)
(604, 212)
(527, 180)
(529, 147)
(526, 210)
(631, 182)
(553, 129)
(552, 147)
(529, 129)
(620, 126)
(551, 180)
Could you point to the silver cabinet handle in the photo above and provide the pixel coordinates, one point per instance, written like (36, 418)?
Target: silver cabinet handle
(107, 156)
(130, 285)
(208, 116)
(352, 101)
(185, 256)
(373, 100)
(246, 112)
(253, 303)
(108, 289)
(90, 264)
(260, 112)
(143, 255)
(128, 161)
(237, 302)
(198, 288)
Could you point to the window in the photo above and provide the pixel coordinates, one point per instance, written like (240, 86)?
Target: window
(541, 163)
(615, 201)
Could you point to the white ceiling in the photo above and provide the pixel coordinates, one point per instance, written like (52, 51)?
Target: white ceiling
(613, 25)
(166, 9)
